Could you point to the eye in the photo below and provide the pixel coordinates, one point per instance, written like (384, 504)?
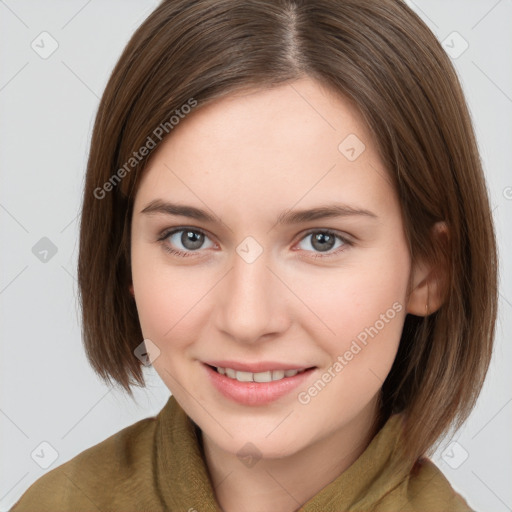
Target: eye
(324, 241)
(183, 241)
(186, 241)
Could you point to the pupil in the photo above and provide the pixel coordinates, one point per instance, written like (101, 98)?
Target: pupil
(192, 240)
(323, 241)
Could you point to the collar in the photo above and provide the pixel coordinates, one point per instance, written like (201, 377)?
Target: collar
(185, 484)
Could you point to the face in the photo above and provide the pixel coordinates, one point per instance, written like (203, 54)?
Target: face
(251, 285)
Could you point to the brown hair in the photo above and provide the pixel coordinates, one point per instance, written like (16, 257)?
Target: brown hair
(382, 57)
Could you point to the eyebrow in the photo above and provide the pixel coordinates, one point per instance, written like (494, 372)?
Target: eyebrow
(287, 217)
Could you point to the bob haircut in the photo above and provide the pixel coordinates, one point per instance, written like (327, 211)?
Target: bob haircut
(386, 61)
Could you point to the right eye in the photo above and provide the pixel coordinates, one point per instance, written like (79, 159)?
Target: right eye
(190, 239)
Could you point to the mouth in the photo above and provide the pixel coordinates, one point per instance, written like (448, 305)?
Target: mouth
(265, 384)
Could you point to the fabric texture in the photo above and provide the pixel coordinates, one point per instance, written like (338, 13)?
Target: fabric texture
(157, 464)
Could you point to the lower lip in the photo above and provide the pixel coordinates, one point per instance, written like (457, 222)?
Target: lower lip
(255, 393)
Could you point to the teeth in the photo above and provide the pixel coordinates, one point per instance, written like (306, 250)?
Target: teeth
(262, 376)
(268, 376)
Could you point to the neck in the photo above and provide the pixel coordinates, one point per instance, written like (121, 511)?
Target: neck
(285, 484)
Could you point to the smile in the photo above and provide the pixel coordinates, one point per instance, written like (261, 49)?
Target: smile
(267, 382)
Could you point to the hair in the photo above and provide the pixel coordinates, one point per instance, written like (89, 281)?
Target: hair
(384, 59)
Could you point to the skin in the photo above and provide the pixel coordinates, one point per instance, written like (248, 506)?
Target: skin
(246, 158)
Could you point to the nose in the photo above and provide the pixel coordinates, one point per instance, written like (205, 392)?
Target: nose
(251, 305)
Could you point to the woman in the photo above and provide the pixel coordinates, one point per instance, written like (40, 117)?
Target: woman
(285, 213)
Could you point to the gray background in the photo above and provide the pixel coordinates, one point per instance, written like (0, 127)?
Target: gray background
(47, 106)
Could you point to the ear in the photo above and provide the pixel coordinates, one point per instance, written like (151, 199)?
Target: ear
(428, 282)
(131, 289)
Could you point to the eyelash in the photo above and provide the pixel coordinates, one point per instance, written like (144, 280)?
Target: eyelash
(166, 234)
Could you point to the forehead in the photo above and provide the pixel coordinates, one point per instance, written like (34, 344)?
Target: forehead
(297, 141)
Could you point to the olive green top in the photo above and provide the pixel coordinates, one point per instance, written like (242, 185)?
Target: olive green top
(158, 464)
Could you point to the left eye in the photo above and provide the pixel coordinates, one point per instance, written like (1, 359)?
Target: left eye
(324, 241)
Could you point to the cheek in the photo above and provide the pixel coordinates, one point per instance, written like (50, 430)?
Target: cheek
(362, 311)
(168, 298)
(155, 295)
(367, 320)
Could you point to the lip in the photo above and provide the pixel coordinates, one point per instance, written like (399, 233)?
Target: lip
(257, 367)
(256, 393)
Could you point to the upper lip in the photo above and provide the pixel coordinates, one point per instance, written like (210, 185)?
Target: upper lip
(256, 367)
